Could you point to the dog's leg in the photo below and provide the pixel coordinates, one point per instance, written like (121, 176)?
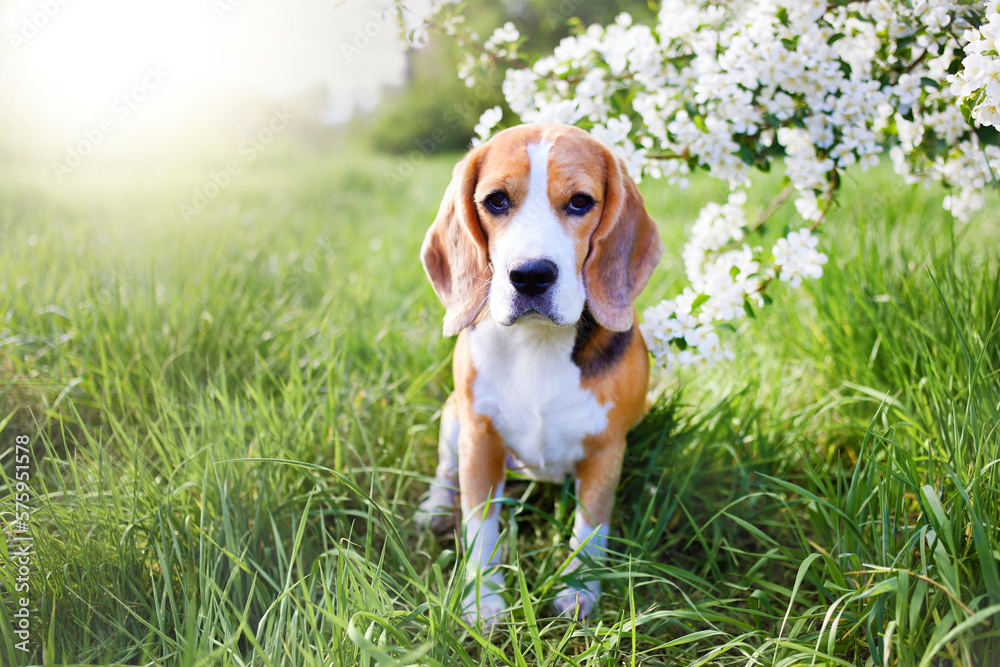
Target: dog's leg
(482, 470)
(597, 479)
(437, 511)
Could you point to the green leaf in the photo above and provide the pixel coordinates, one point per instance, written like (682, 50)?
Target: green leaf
(937, 516)
(975, 619)
(968, 105)
(529, 616)
(759, 602)
(799, 576)
(368, 646)
(980, 539)
(881, 588)
(772, 120)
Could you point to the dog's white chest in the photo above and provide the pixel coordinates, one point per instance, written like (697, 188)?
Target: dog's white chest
(527, 384)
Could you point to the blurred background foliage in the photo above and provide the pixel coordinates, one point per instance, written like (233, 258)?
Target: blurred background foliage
(436, 111)
(430, 110)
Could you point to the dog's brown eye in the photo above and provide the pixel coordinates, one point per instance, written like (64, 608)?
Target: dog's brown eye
(579, 204)
(497, 202)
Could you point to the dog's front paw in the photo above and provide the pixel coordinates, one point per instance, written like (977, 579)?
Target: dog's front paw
(488, 613)
(438, 512)
(578, 602)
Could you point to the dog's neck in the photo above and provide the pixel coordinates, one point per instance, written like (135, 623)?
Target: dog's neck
(596, 348)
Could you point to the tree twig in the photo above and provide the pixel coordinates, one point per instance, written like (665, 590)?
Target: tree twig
(772, 207)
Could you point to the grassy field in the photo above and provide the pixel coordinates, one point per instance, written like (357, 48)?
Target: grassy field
(232, 417)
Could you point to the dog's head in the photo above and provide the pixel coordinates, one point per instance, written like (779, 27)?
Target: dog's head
(536, 223)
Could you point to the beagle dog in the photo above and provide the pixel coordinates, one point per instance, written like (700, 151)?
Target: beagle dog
(541, 244)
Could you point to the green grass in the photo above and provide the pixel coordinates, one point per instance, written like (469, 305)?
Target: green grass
(233, 418)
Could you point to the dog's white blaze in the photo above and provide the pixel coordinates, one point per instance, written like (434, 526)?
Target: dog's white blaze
(527, 384)
(534, 233)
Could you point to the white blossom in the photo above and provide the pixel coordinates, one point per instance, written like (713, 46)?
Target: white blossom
(979, 79)
(487, 121)
(796, 257)
(726, 86)
(503, 41)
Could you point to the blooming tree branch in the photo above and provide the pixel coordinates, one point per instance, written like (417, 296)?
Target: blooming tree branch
(978, 82)
(730, 87)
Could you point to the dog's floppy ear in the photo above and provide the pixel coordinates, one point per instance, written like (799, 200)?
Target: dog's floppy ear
(624, 250)
(455, 252)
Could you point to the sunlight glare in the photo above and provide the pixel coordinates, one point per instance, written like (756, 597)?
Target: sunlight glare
(175, 72)
(87, 56)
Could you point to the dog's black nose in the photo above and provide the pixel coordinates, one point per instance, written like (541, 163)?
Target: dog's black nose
(534, 277)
